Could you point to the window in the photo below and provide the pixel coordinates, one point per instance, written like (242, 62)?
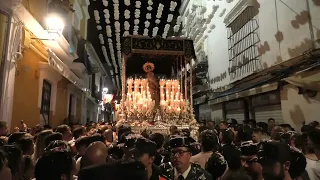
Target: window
(243, 40)
(45, 102)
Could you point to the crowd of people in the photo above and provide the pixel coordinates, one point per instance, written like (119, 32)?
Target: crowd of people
(226, 151)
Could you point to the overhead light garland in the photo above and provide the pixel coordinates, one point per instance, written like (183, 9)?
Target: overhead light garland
(104, 52)
(137, 16)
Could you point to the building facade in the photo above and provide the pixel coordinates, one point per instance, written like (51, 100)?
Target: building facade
(262, 58)
(45, 80)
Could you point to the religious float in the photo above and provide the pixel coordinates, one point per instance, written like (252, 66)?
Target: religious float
(156, 84)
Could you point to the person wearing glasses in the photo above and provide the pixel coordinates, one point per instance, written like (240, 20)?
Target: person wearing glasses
(180, 167)
(249, 159)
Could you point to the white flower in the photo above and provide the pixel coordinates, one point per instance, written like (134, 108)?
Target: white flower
(179, 19)
(149, 8)
(136, 21)
(148, 15)
(150, 3)
(147, 24)
(98, 22)
(126, 33)
(138, 4)
(167, 26)
(127, 14)
(170, 17)
(135, 32)
(126, 25)
(106, 11)
(176, 28)
(116, 1)
(107, 21)
(145, 32)
(136, 27)
(127, 2)
(157, 21)
(99, 27)
(109, 40)
(105, 3)
(159, 15)
(117, 24)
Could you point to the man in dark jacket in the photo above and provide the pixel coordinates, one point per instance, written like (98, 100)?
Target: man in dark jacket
(180, 167)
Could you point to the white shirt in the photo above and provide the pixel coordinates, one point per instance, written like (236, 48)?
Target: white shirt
(201, 158)
(313, 169)
(185, 174)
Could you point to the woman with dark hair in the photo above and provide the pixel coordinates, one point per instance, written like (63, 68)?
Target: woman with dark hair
(55, 164)
(14, 157)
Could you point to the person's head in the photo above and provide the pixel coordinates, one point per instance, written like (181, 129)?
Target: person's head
(40, 143)
(271, 122)
(314, 124)
(275, 132)
(286, 127)
(145, 151)
(226, 136)
(245, 133)
(26, 144)
(28, 168)
(81, 144)
(257, 135)
(14, 137)
(3, 128)
(209, 141)
(223, 125)
(95, 154)
(249, 159)
(55, 165)
(47, 127)
(180, 153)
(108, 134)
(252, 123)
(263, 126)
(173, 130)
(52, 137)
(210, 124)
(158, 139)
(275, 158)
(57, 144)
(65, 131)
(216, 165)
(122, 129)
(237, 175)
(14, 156)
(79, 131)
(314, 139)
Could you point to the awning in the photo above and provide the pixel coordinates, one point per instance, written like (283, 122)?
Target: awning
(257, 90)
(307, 80)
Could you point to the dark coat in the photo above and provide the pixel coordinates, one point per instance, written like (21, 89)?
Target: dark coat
(196, 172)
(135, 170)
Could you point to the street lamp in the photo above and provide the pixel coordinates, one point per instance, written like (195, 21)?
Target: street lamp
(55, 26)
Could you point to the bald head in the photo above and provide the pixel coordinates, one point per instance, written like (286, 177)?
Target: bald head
(108, 134)
(96, 153)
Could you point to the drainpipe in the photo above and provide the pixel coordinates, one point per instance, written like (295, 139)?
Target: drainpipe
(311, 26)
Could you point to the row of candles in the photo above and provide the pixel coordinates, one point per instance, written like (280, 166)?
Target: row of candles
(171, 97)
(139, 96)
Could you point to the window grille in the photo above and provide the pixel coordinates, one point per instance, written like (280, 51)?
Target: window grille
(243, 40)
(45, 102)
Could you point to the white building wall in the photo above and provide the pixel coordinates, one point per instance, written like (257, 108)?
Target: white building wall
(274, 18)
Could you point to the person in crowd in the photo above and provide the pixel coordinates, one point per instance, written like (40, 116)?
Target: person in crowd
(228, 149)
(252, 123)
(40, 144)
(14, 157)
(108, 135)
(313, 140)
(286, 127)
(5, 172)
(144, 151)
(95, 154)
(28, 168)
(173, 130)
(276, 132)
(79, 131)
(216, 165)
(257, 135)
(209, 144)
(123, 129)
(3, 128)
(65, 131)
(271, 124)
(182, 168)
(159, 140)
(56, 164)
(57, 144)
(236, 175)
(26, 144)
(210, 124)
(223, 125)
(52, 137)
(275, 157)
(14, 137)
(249, 160)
